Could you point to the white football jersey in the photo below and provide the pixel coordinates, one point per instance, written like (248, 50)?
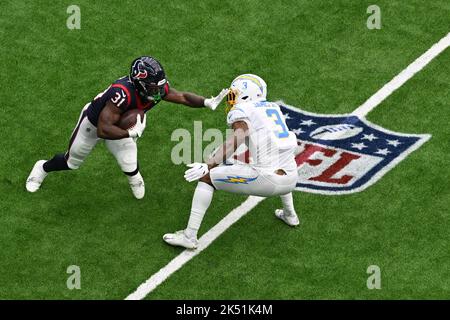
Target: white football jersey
(271, 144)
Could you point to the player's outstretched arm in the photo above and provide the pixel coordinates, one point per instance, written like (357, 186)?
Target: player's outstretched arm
(187, 98)
(192, 100)
(106, 128)
(240, 132)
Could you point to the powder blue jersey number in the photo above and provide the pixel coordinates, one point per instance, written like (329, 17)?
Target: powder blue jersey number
(283, 131)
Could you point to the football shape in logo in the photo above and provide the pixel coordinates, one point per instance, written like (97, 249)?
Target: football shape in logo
(336, 132)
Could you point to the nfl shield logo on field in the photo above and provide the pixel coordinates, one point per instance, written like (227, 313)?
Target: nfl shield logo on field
(340, 154)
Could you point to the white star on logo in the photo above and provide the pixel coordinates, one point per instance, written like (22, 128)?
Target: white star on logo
(298, 131)
(359, 146)
(286, 116)
(383, 152)
(394, 143)
(369, 137)
(307, 123)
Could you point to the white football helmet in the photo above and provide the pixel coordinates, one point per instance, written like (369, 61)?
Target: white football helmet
(245, 88)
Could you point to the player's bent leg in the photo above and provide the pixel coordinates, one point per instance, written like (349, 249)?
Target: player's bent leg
(125, 152)
(242, 179)
(83, 139)
(285, 184)
(202, 199)
(246, 180)
(200, 203)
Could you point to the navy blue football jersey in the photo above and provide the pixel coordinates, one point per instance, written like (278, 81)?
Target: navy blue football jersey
(124, 96)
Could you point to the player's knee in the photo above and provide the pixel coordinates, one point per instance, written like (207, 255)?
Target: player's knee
(206, 179)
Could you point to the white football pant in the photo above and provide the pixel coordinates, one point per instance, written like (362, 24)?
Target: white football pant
(244, 179)
(84, 138)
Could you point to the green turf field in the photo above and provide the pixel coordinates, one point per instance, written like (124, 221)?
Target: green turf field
(317, 55)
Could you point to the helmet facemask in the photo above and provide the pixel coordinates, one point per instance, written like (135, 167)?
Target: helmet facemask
(151, 91)
(231, 99)
(234, 96)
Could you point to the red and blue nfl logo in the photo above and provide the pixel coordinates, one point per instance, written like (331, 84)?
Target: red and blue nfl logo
(340, 154)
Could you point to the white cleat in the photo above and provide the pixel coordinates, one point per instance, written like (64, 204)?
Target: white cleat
(137, 185)
(36, 177)
(180, 239)
(291, 220)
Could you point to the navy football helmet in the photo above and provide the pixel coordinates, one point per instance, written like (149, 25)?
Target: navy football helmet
(149, 78)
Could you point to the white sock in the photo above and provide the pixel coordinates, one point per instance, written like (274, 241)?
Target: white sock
(200, 203)
(288, 204)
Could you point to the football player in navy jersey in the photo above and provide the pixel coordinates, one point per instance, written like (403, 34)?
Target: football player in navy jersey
(143, 89)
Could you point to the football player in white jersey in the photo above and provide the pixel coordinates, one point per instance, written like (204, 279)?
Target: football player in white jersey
(271, 171)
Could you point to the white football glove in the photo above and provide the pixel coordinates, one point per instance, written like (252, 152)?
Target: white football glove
(198, 170)
(213, 102)
(137, 130)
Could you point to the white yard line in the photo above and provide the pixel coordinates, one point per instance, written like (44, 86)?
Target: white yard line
(402, 77)
(155, 280)
(159, 277)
